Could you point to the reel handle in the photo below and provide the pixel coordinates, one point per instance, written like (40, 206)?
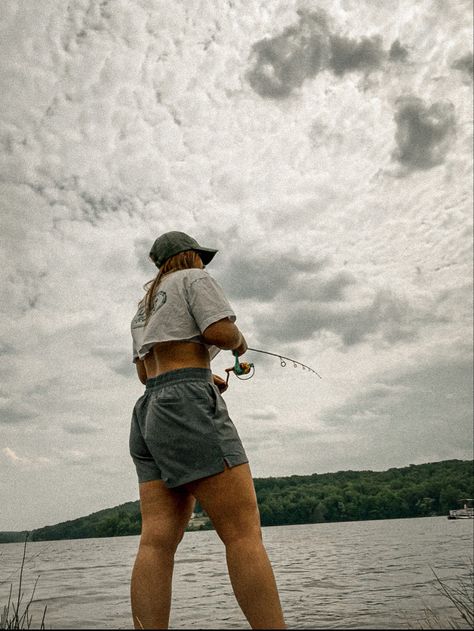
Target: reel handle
(237, 367)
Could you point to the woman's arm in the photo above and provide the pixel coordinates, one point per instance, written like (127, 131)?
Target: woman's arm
(141, 371)
(226, 335)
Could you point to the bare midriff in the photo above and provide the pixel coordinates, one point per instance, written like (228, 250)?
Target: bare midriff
(166, 356)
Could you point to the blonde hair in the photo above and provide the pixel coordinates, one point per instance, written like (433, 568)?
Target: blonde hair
(182, 260)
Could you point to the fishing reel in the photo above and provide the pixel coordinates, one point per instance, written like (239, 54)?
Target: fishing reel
(239, 369)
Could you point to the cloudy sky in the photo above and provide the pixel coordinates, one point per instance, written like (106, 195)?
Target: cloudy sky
(324, 146)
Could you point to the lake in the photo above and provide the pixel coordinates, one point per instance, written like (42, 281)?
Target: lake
(353, 575)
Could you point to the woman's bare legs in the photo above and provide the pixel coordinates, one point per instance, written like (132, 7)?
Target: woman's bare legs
(165, 515)
(229, 500)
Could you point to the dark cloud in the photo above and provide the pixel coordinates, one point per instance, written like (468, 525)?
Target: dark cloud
(424, 133)
(124, 367)
(398, 52)
(116, 360)
(6, 348)
(79, 427)
(465, 64)
(327, 290)
(349, 55)
(301, 297)
(282, 63)
(264, 276)
(15, 414)
(269, 414)
(387, 317)
(96, 207)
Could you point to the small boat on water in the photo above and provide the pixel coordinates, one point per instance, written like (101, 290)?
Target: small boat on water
(466, 512)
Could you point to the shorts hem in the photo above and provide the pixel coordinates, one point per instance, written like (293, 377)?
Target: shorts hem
(205, 473)
(149, 479)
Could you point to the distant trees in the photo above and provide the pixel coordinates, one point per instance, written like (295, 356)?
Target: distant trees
(111, 522)
(413, 491)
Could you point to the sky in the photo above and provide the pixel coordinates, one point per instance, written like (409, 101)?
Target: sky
(323, 146)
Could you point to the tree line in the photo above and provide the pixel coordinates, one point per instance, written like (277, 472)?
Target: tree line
(414, 491)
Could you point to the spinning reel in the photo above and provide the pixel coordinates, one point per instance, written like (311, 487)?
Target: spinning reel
(239, 369)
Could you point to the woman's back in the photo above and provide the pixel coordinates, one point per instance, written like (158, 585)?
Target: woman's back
(165, 356)
(174, 332)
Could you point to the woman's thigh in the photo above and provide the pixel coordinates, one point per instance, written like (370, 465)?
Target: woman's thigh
(230, 501)
(165, 512)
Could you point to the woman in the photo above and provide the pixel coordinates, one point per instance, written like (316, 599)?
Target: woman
(183, 443)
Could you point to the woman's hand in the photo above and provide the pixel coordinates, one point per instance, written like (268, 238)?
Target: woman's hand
(242, 348)
(220, 383)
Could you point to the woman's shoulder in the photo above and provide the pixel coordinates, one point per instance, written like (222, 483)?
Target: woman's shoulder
(182, 276)
(195, 273)
(188, 279)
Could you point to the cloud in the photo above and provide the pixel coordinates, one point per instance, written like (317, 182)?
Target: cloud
(425, 410)
(398, 52)
(464, 64)
(75, 457)
(14, 458)
(13, 412)
(425, 133)
(6, 348)
(350, 55)
(265, 275)
(116, 360)
(386, 317)
(124, 367)
(298, 298)
(95, 206)
(269, 412)
(321, 285)
(79, 427)
(283, 63)
(11, 455)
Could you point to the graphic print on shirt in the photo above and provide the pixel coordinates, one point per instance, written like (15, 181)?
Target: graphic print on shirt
(140, 317)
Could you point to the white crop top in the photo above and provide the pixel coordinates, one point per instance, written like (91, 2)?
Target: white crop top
(186, 303)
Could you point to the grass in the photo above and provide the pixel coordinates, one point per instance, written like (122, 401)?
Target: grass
(16, 613)
(460, 593)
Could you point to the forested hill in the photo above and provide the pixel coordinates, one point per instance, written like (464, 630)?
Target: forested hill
(413, 491)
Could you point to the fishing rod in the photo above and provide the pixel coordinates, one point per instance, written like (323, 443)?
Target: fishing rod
(246, 368)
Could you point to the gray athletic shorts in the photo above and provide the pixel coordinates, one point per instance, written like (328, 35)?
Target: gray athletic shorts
(181, 430)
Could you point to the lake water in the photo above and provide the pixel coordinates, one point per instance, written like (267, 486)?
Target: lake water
(359, 575)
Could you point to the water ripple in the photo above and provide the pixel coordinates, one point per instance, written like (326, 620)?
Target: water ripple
(356, 575)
